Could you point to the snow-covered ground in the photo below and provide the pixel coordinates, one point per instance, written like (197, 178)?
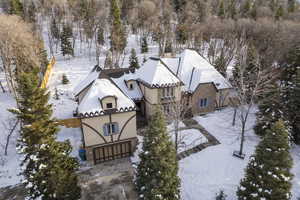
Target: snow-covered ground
(206, 173)
(188, 139)
(9, 165)
(203, 174)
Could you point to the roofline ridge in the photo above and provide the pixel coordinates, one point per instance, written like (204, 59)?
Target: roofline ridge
(170, 70)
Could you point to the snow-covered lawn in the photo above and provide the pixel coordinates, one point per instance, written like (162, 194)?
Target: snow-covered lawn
(205, 173)
(188, 139)
(9, 165)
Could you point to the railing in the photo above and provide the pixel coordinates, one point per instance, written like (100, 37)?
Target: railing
(48, 73)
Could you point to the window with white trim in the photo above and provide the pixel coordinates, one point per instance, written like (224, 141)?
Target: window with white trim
(203, 102)
(168, 92)
(110, 129)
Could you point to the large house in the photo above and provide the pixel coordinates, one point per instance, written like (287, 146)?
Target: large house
(109, 100)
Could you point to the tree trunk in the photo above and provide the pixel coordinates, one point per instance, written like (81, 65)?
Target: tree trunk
(242, 138)
(8, 137)
(2, 87)
(176, 135)
(234, 116)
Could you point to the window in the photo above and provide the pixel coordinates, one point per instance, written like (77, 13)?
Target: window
(166, 108)
(172, 92)
(110, 129)
(203, 102)
(168, 92)
(131, 86)
(109, 105)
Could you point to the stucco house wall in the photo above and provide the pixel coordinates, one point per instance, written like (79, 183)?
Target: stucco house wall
(205, 90)
(93, 130)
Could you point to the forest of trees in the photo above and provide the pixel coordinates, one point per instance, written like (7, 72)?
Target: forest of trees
(260, 38)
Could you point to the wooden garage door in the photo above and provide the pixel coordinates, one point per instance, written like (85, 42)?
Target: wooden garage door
(111, 152)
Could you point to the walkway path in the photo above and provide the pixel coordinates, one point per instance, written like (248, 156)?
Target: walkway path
(212, 141)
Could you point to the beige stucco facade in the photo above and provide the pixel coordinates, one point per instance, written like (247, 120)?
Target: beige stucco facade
(204, 91)
(154, 97)
(93, 133)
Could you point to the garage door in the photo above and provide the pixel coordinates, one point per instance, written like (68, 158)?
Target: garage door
(111, 152)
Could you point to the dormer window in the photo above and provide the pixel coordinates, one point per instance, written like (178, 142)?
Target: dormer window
(131, 86)
(109, 105)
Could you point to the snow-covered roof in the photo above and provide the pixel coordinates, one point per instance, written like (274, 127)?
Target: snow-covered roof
(155, 73)
(193, 69)
(100, 89)
(91, 77)
(134, 93)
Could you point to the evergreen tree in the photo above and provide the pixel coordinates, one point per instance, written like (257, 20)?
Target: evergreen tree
(253, 12)
(144, 45)
(291, 6)
(232, 9)
(65, 79)
(16, 8)
(181, 33)
(291, 86)
(268, 173)
(179, 5)
(56, 95)
(221, 196)
(117, 32)
(279, 13)
(100, 36)
(246, 8)
(157, 172)
(31, 13)
(270, 109)
(169, 48)
(133, 60)
(66, 45)
(49, 171)
(221, 12)
(108, 60)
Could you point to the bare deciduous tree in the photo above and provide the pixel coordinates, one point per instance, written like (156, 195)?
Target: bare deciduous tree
(9, 126)
(177, 113)
(248, 85)
(18, 47)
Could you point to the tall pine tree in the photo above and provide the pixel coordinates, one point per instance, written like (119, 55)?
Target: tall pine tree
(49, 171)
(221, 12)
(291, 87)
(291, 6)
(65, 41)
(268, 174)
(117, 33)
(133, 60)
(144, 45)
(157, 172)
(270, 109)
(16, 8)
